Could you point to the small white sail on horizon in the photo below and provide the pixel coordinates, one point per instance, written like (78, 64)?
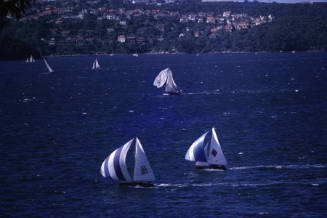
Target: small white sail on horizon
(166, 77)
(48, 66)
(30, 60)
(114, 165)
(96, 65)
(207, 152)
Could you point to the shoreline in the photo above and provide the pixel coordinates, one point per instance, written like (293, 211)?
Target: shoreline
(182, 53)
(168, 53)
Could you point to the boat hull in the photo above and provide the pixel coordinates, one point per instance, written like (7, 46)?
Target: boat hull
(175, 93)
(218, 167)
(133, 184)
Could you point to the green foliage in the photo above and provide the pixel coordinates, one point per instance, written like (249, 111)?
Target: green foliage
(298, 27)
(14, 8)
(285, 34)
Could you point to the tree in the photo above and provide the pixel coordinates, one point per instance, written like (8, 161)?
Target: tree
(14, 8)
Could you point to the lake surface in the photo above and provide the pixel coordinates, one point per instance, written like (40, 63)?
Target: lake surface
(269, 111)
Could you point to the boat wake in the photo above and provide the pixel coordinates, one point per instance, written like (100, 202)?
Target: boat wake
(215, 92)
(313, 183)
(240, 91)
(215, 170)
(27, 100)
(306, 166)
(163, 185)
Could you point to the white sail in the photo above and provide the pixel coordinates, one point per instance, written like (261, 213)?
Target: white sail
(115, 164)
(166, 77)
(32, 60)
(96, 65)
(142, 168)
(48, 66)
(196, 151)
(27, 60)
(170, 85)
(161, 79)
(216, 155)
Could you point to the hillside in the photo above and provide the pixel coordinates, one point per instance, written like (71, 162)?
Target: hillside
(103, 27)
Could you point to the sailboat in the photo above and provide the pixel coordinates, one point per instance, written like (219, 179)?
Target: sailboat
(114, 166)
(30, 60)
(207, 153)
(166, 77)
(48, 66)
(95, 65)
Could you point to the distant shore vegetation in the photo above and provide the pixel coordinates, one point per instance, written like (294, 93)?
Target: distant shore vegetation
(118, 27)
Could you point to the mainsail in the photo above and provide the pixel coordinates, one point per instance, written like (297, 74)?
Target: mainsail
(216, 155)
(115, 164)
(170, 85)
(166, 77)
(142, 168)
(48, 66)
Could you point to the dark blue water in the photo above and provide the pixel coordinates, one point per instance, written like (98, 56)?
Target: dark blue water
(269, 110)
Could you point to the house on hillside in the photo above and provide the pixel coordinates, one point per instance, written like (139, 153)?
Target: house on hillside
(121, 39)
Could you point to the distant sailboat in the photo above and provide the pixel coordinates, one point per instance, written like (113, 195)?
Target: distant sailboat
(166, 77)
(115, 166)
(96, 65)
(207, 153)
(30, 60)
(48, 66)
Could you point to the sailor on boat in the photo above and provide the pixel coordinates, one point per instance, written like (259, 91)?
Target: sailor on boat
(206, 152)
(114, 166)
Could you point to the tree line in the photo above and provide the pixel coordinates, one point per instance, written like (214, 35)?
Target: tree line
(296, 27)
